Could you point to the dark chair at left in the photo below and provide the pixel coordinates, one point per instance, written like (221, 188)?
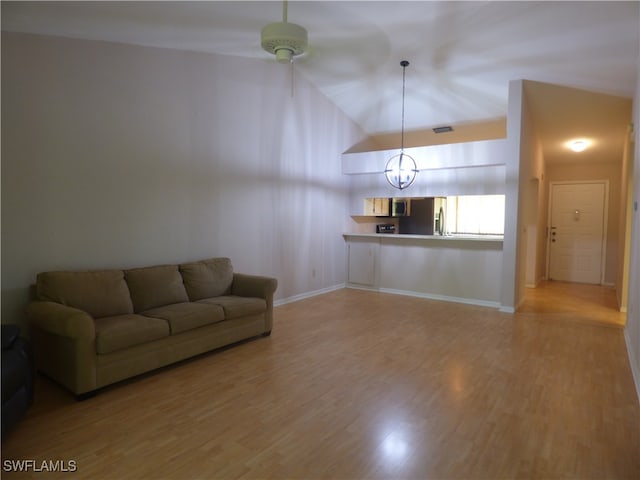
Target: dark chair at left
(17, 377)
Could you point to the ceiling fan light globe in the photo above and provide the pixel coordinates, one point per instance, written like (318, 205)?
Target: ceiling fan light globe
(284, 55)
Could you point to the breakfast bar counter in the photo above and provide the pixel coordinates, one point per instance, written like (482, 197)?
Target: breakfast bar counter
(459, 268)
(430, 238)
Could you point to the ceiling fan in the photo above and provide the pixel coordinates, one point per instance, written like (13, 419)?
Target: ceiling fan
(283, 39)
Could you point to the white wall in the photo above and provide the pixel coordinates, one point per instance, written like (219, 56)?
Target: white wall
(472, 168)
(632, 329)
(123, 156)
(625, 227)
(514, 246)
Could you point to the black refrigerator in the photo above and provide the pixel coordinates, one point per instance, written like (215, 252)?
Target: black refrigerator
(426, 217)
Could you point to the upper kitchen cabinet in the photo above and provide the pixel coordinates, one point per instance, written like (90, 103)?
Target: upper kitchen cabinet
(376, 207)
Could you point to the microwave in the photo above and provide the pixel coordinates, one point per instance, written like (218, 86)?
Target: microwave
(400, 207)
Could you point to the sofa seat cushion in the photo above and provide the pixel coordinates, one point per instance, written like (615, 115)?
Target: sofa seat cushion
(123, 331)
(187, 315)
(235, 306)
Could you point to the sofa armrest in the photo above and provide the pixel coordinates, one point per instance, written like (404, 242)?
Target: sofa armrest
(63, 340)
(254, 286)
(260, 287)
(61, 320)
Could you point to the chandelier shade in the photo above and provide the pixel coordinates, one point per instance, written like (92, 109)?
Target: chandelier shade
(401, 169)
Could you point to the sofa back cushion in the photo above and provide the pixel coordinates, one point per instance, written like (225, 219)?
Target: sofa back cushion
(100, 293)
(207, 278)
(153, 287)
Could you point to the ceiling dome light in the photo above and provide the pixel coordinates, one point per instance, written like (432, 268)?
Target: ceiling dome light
(578, 145)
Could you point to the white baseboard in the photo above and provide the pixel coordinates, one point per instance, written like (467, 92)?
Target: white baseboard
(633, 362)
(429, 296)
(302, 296)
(409, 293)
(356, 286)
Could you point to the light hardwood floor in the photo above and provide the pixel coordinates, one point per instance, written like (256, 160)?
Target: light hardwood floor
(574, 301)
(355, 384)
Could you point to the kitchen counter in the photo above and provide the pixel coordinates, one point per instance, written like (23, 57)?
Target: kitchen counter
(404, 236)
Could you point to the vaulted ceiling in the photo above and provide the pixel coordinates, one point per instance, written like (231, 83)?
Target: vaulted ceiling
(462, 54)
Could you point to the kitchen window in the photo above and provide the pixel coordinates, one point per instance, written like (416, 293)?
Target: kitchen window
(475, 215)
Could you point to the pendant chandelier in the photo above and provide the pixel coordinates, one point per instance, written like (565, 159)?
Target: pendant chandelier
(401, 168)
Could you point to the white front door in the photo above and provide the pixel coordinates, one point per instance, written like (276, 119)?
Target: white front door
(576, 236)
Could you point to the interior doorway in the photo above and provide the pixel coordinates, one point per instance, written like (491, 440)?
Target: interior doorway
(577, 235)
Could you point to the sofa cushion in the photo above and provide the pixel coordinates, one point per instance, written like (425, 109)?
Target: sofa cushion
(235, 306)
(152, 287)
(186, 316)
(122, 331)
(208, 278)
(100, 293)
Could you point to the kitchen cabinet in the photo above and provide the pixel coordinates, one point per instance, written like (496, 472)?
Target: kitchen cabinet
(363, 254)
(377, 207)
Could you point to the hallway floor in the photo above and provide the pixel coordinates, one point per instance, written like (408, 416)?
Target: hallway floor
(575, 301)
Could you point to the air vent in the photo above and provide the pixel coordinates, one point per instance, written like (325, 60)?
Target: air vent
(443, 129)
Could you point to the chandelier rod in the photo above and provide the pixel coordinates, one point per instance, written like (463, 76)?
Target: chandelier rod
(404, 64)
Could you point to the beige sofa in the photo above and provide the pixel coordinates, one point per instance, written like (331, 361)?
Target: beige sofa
(94, 328)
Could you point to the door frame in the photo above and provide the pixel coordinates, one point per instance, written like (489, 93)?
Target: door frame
(605, 221)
